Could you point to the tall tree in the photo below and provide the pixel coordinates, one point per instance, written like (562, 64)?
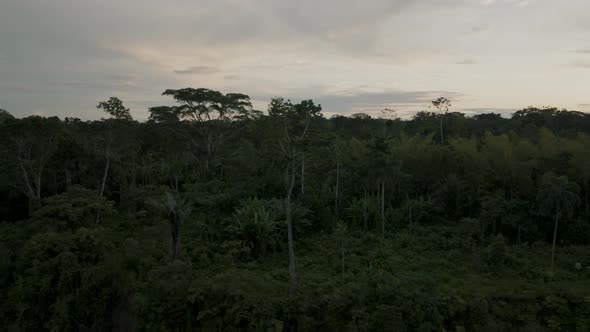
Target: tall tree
(213, 116)
(557, 196)
(115, 108)
(294, 120)
(443, 105)
(31, 142)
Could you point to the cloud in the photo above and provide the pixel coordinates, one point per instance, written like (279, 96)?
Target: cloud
(581, 64)
(480, 27)
(55, 55)
(197, 70)
(582, 51)
(466, 62)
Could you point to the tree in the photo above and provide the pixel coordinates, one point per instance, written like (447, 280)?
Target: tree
(213, 116)
(361, 116)
(163, 114)
(177, 210)
(294, 120)
(257, 225)
(443, 105)
(203, 104)
(388, 114)
(557, 196)
(4, 116)
(31, 143)
(493, 208)
(114, 107)
(73, 209)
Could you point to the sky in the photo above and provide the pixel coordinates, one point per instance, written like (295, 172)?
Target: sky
(61, 57)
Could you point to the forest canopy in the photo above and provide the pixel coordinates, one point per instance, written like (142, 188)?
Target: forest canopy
(215, 216)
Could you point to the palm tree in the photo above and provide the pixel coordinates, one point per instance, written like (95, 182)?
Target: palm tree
(177, 210)
(557, 196)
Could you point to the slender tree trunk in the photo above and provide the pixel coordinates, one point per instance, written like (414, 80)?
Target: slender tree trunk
(104, 181)
(34, 200)
(383, 208)
(587, 195)
(30, 191)
(557, 216)
(442, 138)
(68, 178)
(302, 173)
(38, 193)
(342, 256)
(105, 175)
(291, 244)
(336, 189)
(411, 220)
(365, 211)
(174, 236)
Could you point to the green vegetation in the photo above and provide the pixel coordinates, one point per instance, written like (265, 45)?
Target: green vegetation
(213, 216)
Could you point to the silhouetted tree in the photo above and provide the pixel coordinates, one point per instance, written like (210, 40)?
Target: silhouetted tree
(443, 105)
(114, 107)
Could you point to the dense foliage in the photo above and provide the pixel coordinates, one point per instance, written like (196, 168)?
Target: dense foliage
(213, 216)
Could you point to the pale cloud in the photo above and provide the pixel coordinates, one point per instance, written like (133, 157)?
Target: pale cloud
(197, 70)
(581, 64)
(466, 62)
(66, 55)
(480, 27)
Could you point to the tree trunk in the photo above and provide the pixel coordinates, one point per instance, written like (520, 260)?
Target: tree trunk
(38, 183)
(104, 181)
(442, 138)
(302, 173)
(557, 216)
(34, 200)
(174, 235)
(587, 195)
(336, 189)
(342, 256)
(68, 178)
(411, 220)
(383, 208)
(104, 176)
(365, 212)
(291, 244)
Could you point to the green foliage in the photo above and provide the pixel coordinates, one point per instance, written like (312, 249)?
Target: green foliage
(114, 107)
(258, 225)
(391, 231)
(75, 208)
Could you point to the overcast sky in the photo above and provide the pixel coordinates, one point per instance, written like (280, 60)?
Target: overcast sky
(60, 57)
